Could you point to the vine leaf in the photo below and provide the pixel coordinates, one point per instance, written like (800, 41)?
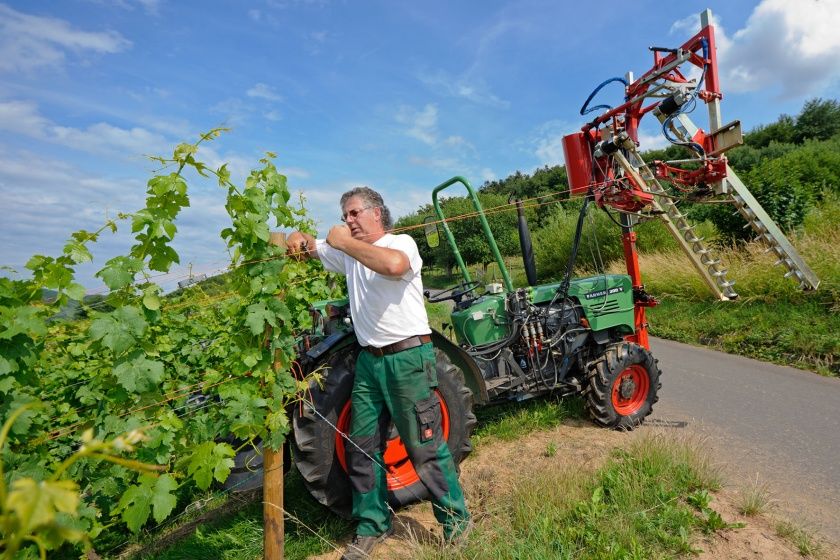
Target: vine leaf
(258, 315)
(21, 320)
(163, 499)
(139, 374)
(210, 460)
(36, 503)
(152, 496)
(119, 272)
(75, 291)
(119, 331)
(78, 252)
(151, 301)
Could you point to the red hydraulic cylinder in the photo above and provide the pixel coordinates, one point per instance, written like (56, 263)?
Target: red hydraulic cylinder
(631, 258)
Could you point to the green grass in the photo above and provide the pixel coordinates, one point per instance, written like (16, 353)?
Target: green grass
(439, 315)
(801, 538)
(797, 334)
(240, 536)
(754, 499)
(648, 501)
(509, 421)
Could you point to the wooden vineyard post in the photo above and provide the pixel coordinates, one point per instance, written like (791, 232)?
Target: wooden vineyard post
(273, 532)
(273, 536)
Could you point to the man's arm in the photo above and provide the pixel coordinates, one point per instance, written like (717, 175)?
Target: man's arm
(390, 262)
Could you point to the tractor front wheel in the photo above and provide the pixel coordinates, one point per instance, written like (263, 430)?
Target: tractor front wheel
(622, 386)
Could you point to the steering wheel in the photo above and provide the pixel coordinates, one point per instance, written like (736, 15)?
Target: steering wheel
(455, 293)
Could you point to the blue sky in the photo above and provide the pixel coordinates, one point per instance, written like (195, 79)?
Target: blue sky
(396, 95)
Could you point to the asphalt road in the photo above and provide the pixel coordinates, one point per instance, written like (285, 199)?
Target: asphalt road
(776, 423)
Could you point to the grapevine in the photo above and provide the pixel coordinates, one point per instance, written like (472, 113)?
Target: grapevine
(194, 370)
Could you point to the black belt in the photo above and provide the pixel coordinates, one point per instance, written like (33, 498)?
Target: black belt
(399, 346)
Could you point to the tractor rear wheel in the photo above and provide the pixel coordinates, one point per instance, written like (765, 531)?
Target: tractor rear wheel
(319, 425)
(622, 386)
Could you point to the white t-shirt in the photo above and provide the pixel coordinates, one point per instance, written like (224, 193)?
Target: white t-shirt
(384, 309)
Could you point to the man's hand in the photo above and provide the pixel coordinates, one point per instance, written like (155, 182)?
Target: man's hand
(338, 237)
(300, 245)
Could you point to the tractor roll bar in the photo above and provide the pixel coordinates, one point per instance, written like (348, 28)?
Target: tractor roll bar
(484, 225)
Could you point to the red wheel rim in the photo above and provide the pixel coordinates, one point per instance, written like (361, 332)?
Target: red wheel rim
(401, 473)
(630, 390)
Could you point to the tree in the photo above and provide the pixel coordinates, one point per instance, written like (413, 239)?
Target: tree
(782, 131)
(546, 186)
(819, 120)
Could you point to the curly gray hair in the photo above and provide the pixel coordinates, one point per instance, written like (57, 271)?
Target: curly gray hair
(371, 198)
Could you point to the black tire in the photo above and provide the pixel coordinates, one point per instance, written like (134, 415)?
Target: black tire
(622, 386)
(314, 448)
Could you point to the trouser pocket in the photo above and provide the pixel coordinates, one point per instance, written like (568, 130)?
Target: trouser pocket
(428, 418)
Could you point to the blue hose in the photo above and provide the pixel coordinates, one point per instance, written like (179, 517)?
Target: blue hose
(586, 110)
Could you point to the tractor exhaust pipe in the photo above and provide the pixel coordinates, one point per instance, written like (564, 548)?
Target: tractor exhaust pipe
(525, 244)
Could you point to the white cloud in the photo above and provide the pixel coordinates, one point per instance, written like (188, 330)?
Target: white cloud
(487, 174)
(29, 42)
(49, 199)
(235, 111)
(445, 164)
(317, 40)
(23, 117)
(151, 6)
(422, 124)
(263, 91)
(547, 142)
(472, 89)
(283, 4)
(295, 172)
(550, 150)
(455, 141)
(239, 166)
(787, 45)
(652, 141)
(273, 116)
(106, 138)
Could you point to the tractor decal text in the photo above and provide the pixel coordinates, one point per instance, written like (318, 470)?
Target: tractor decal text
(602, 293)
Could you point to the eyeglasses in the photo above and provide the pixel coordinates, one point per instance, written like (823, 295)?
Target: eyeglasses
(354, 213)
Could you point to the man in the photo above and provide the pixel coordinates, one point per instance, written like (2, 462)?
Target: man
(395, 372)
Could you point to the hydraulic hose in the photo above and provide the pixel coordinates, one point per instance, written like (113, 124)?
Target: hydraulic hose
(586, 110)
(563, 290)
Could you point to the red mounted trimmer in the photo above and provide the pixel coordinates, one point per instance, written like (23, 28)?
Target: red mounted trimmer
(603, 163)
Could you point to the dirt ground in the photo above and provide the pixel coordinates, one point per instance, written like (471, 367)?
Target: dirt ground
(584, 446)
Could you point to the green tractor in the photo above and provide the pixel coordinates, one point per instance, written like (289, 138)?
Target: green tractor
(584, 336)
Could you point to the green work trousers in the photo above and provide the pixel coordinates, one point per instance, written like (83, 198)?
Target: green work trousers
(399, 387)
